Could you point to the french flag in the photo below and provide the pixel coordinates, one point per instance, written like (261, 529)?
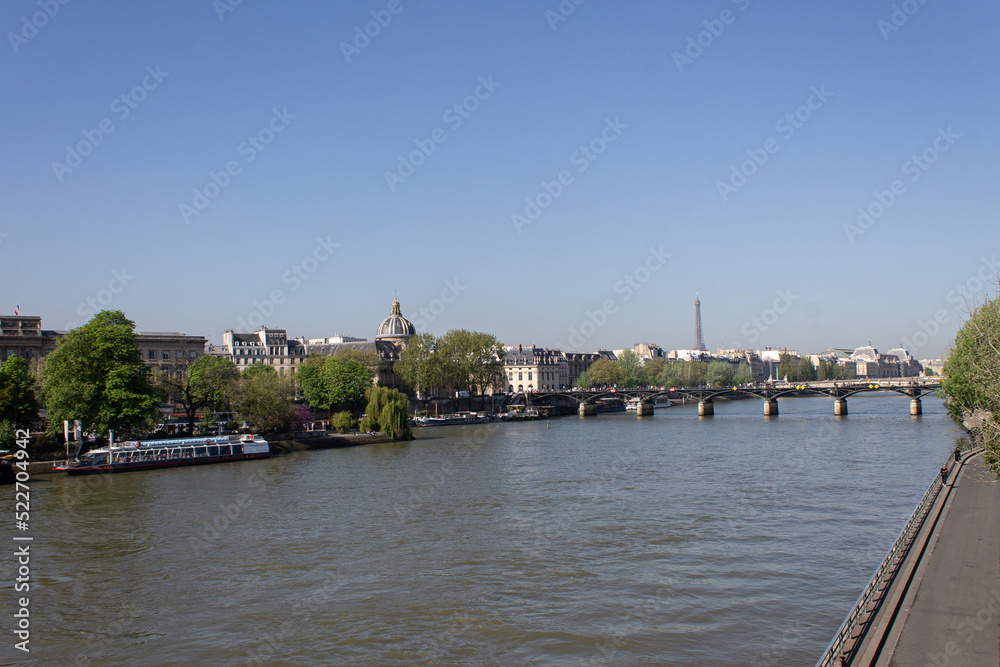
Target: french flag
(17, 309)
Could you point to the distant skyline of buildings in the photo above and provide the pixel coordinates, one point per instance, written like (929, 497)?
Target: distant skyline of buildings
(537, 367)
(683, 353)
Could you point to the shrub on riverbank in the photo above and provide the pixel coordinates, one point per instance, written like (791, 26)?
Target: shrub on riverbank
(342, 422)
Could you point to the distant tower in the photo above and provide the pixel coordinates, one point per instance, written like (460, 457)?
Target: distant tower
(699, 338)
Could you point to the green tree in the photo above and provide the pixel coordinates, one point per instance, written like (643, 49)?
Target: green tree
(204, 384)
(652, 370)
(744, 374)
(469, 361)
(367, 357)
(805, 371)
(342, 422)
(311, 384)
(486, 357)
(261, 398)
(96, 374)
(417, 365)
(387, 412)
(692, 373)
(347, 381)
(258, 368)
(460, 360)
(583, 382)
(971, 379)
(631, 368)
(719, 374)
(18, 406)
(605, 373)
(337, 382)
(672, 374)
(207, 423)
(788, 368)
(928, 371)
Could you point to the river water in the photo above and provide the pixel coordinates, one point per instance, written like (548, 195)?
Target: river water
(610, 540)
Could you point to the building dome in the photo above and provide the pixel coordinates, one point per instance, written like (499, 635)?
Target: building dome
(395, 327)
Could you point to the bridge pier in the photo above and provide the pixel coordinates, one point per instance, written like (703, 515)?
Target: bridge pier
(706, 408)
(915, 408)
(644, 409)
(770, 407)
(587, 409)
(840, 407)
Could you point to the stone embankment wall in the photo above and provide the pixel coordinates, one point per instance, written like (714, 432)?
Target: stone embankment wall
(443, 406)
(285, 443)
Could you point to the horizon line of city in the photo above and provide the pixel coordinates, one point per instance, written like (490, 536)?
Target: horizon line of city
(695, 353)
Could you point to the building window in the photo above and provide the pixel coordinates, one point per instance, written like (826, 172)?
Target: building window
(529, 375)
(152, 355)
(192, 354)
(520, 376)
(166, 355)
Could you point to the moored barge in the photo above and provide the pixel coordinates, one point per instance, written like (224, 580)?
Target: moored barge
(150, 454)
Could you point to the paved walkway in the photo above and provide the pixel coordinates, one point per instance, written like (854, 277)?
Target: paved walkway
(951, 615)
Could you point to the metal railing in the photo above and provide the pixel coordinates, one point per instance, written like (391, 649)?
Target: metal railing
(874, 587)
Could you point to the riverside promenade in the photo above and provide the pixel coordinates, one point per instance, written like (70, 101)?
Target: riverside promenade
(945, 609)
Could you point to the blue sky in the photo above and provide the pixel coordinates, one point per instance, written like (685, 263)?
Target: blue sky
(644, 109)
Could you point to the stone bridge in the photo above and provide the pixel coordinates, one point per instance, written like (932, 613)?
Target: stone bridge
(839, 390)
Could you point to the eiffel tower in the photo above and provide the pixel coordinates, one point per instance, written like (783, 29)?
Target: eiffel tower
(699, 338)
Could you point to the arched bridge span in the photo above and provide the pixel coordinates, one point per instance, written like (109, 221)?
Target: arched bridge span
(588, 401)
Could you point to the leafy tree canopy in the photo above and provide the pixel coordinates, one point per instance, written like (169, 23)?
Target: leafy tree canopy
(17, 396)
(719, 374)
(653, 370)
(204, 384)
(96, 374)
(606, 373)
(971, 379)
(18, 406)
(387, 412)
(262, 399)
(337, 382)
(744, 374)
(460, 360)
(631, 369)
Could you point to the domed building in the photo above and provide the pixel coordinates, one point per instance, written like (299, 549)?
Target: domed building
(396, 329)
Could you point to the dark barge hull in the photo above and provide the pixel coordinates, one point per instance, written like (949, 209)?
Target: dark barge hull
(153, 465)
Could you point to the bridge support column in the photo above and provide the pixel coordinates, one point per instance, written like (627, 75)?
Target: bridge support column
(644, 409)
(770, 407)
(587, 409)
(840, 407)
(915, 408)
(706, 408)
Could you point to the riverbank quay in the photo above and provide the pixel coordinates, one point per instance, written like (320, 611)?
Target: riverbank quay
(938, 598)
(950, 611)
(287, 443)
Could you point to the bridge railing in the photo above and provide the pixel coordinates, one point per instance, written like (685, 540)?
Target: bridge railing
(875, 588)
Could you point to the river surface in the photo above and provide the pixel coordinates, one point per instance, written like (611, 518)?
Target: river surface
(610, 540)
